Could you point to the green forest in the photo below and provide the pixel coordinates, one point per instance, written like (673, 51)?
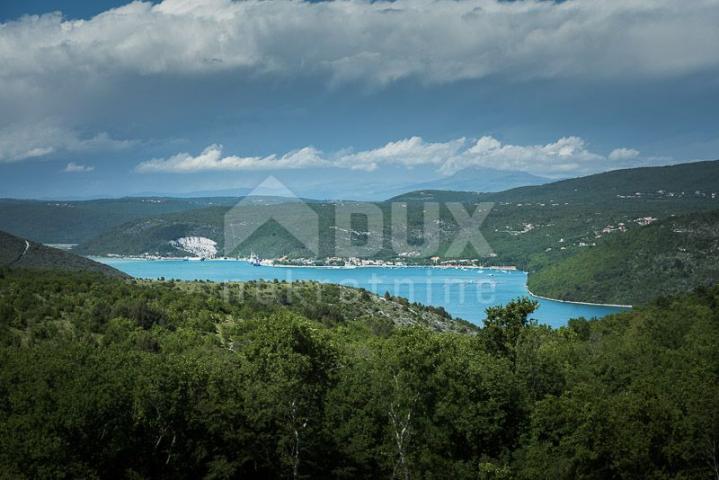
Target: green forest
(105, 377)
(671, 256)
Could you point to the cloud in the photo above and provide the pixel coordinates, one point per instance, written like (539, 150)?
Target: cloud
(22, 142)
(623, 154)
(435, 41)
(211, 159)
(564, 157)
(568, 155)
(73, 167)
(408, 152)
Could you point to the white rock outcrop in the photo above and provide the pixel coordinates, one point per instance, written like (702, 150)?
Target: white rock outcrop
(197, 246)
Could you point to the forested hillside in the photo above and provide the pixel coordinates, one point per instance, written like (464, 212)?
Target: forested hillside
(17, 252)
(695, 179)
(77, 221)
(667, 257)
(675, 189)
(684, 180)
(533, 236)
(517, 232)
(107, 378)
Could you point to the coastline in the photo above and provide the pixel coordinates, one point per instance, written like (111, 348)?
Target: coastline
(429, 284)
(500, 268)
(591, 304)
(505, 269)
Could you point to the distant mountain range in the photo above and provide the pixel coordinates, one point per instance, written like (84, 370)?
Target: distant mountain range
(478, 179)
(334, 184)
(341, 184)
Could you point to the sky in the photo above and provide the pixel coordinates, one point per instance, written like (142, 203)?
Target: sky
(107, 98)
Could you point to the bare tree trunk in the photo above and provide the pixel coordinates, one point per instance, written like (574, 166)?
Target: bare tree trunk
(401, 433)
(296, 456)
(297, 426)
(165, 430)
(401, 426)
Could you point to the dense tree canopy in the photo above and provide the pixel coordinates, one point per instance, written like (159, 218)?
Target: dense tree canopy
(106, 378)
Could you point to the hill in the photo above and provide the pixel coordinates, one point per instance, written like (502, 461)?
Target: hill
(72, 222)
(106, 378)
(686, 180)
(16, 252)
(667, 257)
(328, 304)
(535, 236)
(440, 196)
(519, 233)
(154, 234)
(682, 181)
(572, 235)
(160, 235)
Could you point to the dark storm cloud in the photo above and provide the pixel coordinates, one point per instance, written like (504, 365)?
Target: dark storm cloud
(266, 79)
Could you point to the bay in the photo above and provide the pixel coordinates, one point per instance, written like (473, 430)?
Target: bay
(463, 292)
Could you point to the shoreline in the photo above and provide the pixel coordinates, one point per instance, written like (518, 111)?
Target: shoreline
(501, 268)
(591, 304)
(504, 269)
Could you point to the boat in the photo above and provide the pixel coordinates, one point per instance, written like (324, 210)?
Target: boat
(255, 261)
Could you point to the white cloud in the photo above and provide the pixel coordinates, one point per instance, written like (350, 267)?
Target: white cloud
(21, 142)
(436, 41)
(623, 154)
(211, 159)
(73, 167)
(566, 156)
(408, 152)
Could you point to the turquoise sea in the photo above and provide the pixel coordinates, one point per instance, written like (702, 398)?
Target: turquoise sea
(464, 293)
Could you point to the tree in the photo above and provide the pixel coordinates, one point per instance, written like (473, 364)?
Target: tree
(503, 326)
(288, 366)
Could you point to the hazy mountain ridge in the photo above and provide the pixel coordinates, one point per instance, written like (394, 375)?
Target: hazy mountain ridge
(479, 179)
(335, 184)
